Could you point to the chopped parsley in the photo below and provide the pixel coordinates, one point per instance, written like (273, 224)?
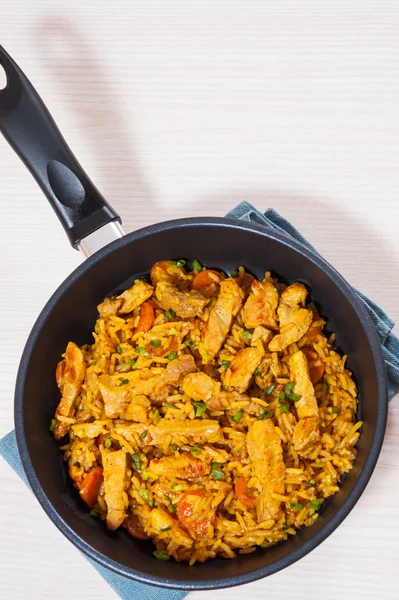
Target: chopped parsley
(200, 408)
(177, 263)
(197, 267)
(315, 504)
(124, 382)
(335, 410)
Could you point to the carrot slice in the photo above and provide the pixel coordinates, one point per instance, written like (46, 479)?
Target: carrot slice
(147, 316)
(241, 491)
(90, 487)
(207, 282)
(186, 510)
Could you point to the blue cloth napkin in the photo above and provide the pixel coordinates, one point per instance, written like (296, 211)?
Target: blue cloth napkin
(131, 590)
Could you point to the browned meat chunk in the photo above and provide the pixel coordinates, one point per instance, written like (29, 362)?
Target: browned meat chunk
(185, 304)
(109, 307)
(221, 315)
(260, 308)
(138, 409)
(70, 385)
(306, 435)
(166, 271)
(306, 432)
(160, 334)
(135, 296)
(115, 471)
(185, 466)
(242, 368)
(199, 386)
(294, 320)
(266, 454)
(179, 367)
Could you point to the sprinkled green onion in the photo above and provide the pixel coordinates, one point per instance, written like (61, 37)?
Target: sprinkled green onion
(165, 528)
(172, 331)
(108, 442)
(53, 424)
(143, 435)
(266, 414)
(201, 408)
(269, 390)
(172, 356)
(321, 422)
(171, 507)
(225, 364)
(156, 414)
(294, 397)
(144, 493)
(289, 387)
(143, 351)
(335, 410)
(234, 273)
(195, 450)
(188, 343)
(124, 382)
(281, 397)
(197, 267)
(177, 263)
(327, 383)
(238, 416)
(311, 483)
(118, 349)
(247, 335)
(151, 503)
(175, 447)
(137, 461)
(170, 314)
(195, 347)
(171, 405)
(176, 486)
(132, 363)
(216, 465)
(161, 554)
(217, 474)
(283, 408)
(257, 372)
(315, 504)
(285, 527)
(297, 505)
(94, 513)
(155, 343)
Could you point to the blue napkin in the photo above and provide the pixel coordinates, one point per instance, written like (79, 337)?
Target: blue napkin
(131, 590)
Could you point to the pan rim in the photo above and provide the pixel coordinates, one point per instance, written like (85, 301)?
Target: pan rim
(344, 509)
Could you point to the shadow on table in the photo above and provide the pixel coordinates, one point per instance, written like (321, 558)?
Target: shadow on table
(69, 57)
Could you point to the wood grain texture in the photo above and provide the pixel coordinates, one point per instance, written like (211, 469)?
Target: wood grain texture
(183, 108)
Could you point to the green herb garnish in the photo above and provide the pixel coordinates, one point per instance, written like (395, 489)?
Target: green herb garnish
(177, 263)
(171, 405)
(335, 410)
(247, 335)
(200, 408)
(269, 390)
(289, 387)
(170, 314)
(294, 397)
(283, 408)
(94, 513)
(266, 414)
(216, 465)
(137, 461)
(234, 273)
(217, 474)
(123, 382)
(143, 351)
(195, 450)
(155, 415)
(175, 447)
(132, 362)
(176, 486)
(172, 356)
(108, 442)
(188, 343)
(311, 483)
(197, 267)
(172, 331)
(144, 493)
(281, 397)
(161, 554)
(238, 416)
(53, 424)
(315, 504)
(165, 528)
(155, 343)
(257, 372)
(225, 364)
(327, 383)
(143, 435)
(118, 349)
(297, 505)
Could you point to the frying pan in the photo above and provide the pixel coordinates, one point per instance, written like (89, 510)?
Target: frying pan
(116, 260)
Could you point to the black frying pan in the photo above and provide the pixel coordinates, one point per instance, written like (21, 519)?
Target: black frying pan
(71, 312)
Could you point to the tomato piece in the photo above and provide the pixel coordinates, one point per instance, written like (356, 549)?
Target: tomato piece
(165, 271)
(187, 508)
(147, 316)
(91, 484)
(242, 494)
(207, 282)
(313, 332)
(135, 528)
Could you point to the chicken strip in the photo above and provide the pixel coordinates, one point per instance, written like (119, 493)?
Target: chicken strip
(90, 430)
(200, 386)
(185, 304)
(178, 368)
(135, 296)
(193, 431)
(165, 341)
(260, 308)
(161, 520)
(266, 453)
(227, 305)
(70, 383)
(306, 431)
(294, 320)
(115, 471)
(242, 368)
(184, 466)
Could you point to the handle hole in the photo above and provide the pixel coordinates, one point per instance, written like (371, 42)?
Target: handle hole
(3, 79)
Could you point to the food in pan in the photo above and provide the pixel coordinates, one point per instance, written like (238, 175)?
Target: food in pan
(211, 414)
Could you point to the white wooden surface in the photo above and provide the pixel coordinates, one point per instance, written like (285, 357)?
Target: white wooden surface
(183, 108)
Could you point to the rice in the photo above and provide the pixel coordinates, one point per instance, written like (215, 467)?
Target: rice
(198, 496)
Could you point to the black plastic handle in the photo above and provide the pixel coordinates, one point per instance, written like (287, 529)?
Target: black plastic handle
(29, 128)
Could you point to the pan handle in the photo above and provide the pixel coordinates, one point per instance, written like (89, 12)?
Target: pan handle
(31, 131)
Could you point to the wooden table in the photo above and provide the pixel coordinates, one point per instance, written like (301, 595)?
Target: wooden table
(182, 108)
